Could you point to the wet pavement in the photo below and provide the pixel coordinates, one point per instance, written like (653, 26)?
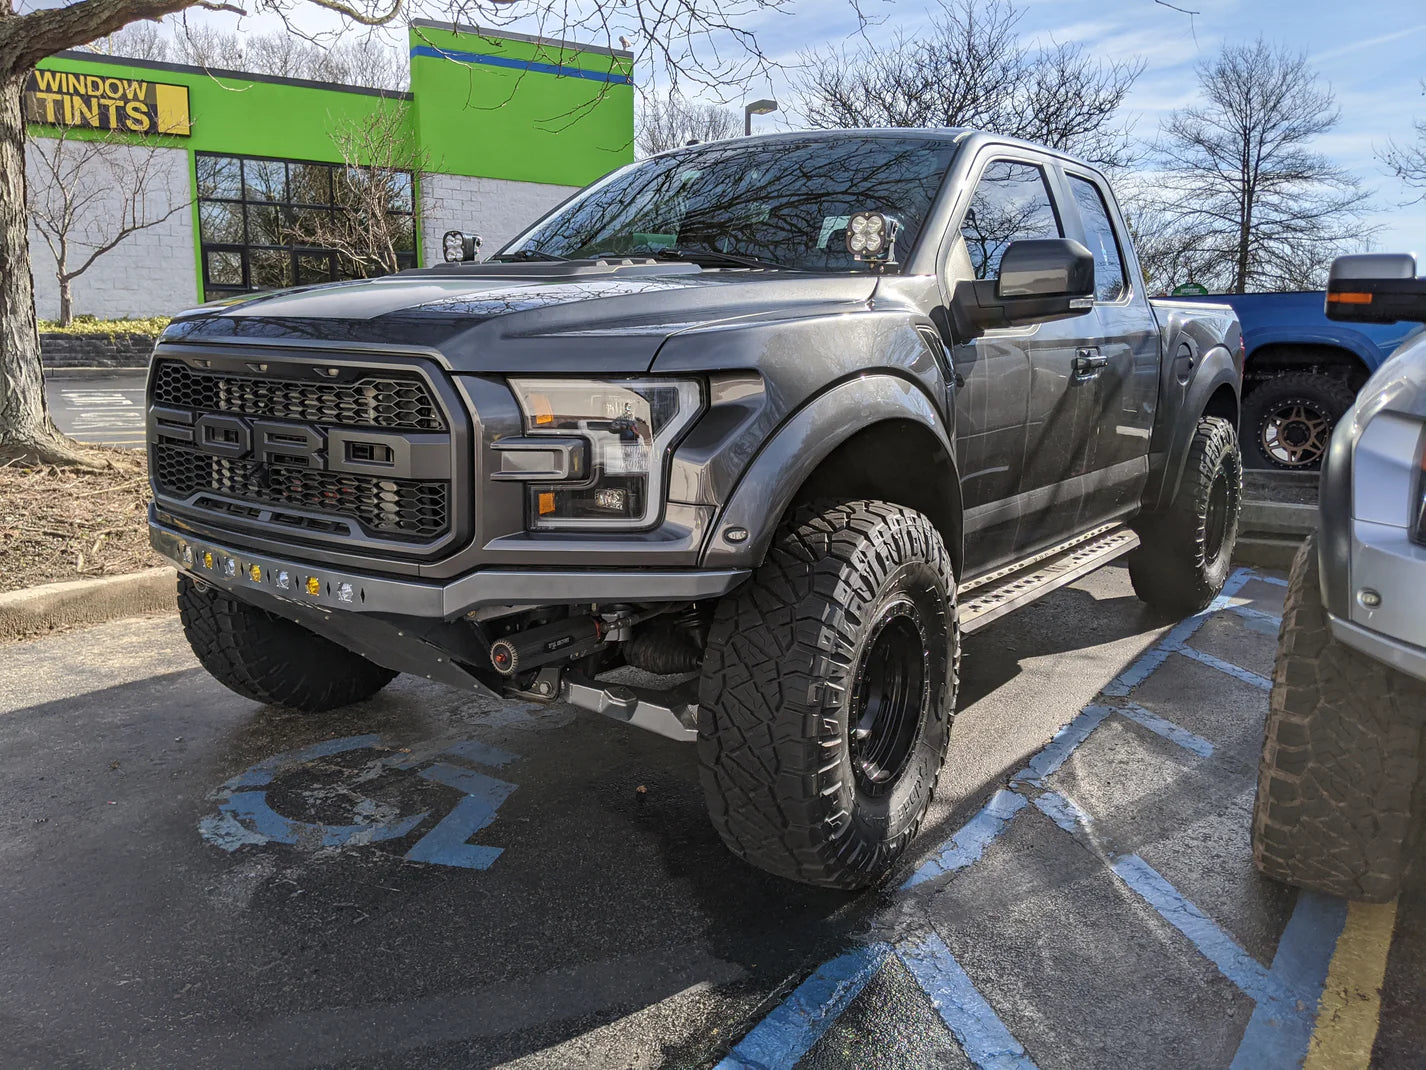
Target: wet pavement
(427, 879)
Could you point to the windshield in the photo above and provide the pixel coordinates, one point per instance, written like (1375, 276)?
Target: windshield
(783, 202)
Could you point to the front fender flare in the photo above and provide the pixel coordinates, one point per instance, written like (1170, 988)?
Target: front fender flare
(769, 484)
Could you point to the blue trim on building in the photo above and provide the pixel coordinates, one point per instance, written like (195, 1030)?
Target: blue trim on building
(433, 52)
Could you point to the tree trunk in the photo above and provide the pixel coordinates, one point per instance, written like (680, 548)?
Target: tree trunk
(66, 302)
(26, 432)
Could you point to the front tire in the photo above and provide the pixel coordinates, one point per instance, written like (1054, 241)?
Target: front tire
(1342, 780)
(268, 658)
(1186, 550)
(827, 692)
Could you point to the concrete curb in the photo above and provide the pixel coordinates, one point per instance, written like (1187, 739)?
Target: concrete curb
(36, 610)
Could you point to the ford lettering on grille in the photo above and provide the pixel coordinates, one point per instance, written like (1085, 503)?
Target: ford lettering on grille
(245, 462)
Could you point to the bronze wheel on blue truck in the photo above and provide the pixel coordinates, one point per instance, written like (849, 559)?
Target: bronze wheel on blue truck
(827, 693)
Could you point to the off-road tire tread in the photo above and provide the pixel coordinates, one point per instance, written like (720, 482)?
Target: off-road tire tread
(1341, 790)
(272, 660)
(776, 645)
(1334, 395)
(1169, 569)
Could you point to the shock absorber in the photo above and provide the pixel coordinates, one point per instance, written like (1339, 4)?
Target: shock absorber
(564, 640)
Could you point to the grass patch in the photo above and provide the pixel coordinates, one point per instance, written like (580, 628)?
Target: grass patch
(86, 325)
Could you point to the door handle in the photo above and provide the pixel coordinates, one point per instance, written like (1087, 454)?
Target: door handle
(1088, 363)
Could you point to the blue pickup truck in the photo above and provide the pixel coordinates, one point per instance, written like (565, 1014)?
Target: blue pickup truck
(1302, 372)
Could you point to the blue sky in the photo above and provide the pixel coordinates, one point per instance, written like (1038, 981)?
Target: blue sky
(1370, 53)
(1374, 64)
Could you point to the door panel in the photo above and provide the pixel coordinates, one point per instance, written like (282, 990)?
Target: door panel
(1126, 387)
(1023, 421)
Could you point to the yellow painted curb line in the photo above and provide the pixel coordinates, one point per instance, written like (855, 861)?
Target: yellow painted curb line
(1350, 1010)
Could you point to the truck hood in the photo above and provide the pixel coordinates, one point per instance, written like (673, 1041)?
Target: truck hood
(568, 317)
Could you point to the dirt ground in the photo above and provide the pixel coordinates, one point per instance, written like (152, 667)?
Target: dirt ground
(69, 523)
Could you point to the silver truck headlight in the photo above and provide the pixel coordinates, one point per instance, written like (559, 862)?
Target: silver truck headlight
(630, 425)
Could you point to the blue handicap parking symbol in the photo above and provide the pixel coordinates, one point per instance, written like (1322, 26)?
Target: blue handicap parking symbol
(246, 816)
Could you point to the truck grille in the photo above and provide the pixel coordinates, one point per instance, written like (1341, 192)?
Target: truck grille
(400, 507)
(321, 457)
(369, 402)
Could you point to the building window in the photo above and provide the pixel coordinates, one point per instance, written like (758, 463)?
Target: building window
(261, 222)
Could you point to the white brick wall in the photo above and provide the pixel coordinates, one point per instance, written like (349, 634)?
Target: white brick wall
(152, 272)
(495, 208)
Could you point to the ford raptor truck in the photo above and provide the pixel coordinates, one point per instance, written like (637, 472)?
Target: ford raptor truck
(734, 446)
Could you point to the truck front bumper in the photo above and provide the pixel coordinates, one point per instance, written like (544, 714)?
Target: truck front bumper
(310, 585)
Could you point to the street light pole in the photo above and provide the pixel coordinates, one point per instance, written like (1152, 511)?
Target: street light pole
(757, 107)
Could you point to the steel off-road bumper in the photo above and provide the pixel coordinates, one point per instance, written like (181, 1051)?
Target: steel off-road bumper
(309, 585)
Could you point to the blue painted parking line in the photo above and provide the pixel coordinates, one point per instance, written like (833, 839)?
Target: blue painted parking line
(967, 844)
(1178, 635)
(1058, 750)
(1286, 995)
(1236, 671)
(1253, 613)
(1165, 728)
(788, 1033)
(1281, 1029)
(1202, 931)
(983, 1037)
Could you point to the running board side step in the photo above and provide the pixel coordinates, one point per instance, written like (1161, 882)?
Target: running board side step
(991, 597)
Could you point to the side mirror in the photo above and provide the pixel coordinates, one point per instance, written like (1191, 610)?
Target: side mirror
(459, 248)
(1041, 279)
(1376, 288)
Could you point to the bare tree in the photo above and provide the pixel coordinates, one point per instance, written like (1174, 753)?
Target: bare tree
(140, 40)
(971, 68)
(93, 194)
(706, 42)
(1408, 162)
(374, 223)
(1238, 173)
(668, 122)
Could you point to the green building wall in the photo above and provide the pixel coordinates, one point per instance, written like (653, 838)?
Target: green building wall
(490, 110)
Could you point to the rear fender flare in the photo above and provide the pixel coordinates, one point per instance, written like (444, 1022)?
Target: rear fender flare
(770, 483)
(1217, 369)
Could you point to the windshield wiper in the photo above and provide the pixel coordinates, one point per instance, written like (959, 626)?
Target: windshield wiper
(528, 254)
(714, 257)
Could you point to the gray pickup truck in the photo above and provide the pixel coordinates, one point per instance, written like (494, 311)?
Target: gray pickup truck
(733, 445)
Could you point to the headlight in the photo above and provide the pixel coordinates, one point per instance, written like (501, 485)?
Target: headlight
(630, 425)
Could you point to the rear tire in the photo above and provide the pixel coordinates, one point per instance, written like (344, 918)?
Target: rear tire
(268, 658)
(1342, 781)
(1288, 419)
(1185, 551)
(827, 692)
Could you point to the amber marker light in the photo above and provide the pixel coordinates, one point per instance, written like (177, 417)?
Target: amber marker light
(314, 585)
(255, 572)
(1347, 298)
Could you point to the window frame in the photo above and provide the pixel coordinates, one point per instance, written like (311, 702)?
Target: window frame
(292, 250)
(1128, 268)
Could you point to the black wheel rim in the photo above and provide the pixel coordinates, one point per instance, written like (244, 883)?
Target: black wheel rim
(1295, 434)
(889, 699)
(1215, 518)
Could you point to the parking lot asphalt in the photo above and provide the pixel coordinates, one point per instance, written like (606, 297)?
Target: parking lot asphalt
(99, 408)
(428, 879)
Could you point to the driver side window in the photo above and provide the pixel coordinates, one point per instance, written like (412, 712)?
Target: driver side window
(1011, 201)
